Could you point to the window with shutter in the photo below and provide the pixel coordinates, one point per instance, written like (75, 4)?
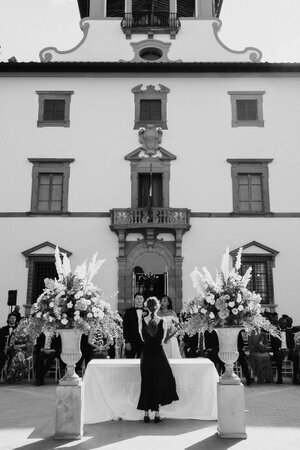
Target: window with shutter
(150, 110)
(115, 8)
(150, 106)
(250, 192)
(50, 185)
(54, 108)
(50, 192)
(250, 186)
(247, 108)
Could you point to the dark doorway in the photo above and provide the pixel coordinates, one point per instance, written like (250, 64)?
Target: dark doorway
(150, 190)
(151, 284)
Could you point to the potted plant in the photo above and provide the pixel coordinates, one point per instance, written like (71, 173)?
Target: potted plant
(71, 305)
(226, 305)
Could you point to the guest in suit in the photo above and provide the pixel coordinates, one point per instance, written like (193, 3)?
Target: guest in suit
(6, 334)
(242, 359)
(47, 349)
(132, 317)
(279, 348)
(292, 354)
(204, 345)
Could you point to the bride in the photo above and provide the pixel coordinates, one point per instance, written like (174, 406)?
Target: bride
(170, 345)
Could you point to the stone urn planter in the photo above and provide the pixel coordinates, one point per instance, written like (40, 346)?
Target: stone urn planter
(70, 354)
(228, 353)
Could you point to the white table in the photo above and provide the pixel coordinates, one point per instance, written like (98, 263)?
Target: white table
(112, 389)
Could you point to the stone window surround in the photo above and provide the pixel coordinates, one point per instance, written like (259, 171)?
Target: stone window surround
(54, 95)
(150, 93)
(50, 165)
(143, 166)
(246, 166)
(266, 255)
(247, 95)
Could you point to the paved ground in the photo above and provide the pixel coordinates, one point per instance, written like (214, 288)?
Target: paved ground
(273, 423)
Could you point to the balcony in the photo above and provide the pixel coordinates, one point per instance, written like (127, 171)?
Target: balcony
(159, 218)
(147, 22)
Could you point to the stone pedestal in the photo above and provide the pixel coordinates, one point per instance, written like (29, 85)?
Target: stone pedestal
(231, 411)
(69, 412)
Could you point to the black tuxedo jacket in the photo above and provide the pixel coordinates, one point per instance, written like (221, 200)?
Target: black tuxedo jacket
(131, 328)
(4, 333)
(55, 344)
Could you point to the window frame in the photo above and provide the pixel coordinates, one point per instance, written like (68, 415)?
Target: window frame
(246, 95)
(50, 165)
(150, 93)
(54, 95)
(250, 166)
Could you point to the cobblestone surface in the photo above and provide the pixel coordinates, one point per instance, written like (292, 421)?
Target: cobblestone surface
(273, 422)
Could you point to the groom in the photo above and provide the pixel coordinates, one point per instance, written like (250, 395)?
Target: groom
(133, 341)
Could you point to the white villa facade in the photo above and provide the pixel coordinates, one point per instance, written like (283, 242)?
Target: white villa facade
(156, 145)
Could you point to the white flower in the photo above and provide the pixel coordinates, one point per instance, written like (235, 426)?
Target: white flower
(211, 315)
(50, 319)
(210, 299)
(51, 304)
(235, 311)
(78, 295)
(89, 315)
(231, 304)
(239, 298)
(38, 314)
(64, 321)
(203, 310)
(69, 305)
(76, 314)
(240, 308)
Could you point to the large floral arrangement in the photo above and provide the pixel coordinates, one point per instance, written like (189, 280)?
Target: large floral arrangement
(225, 301)
(73, 301)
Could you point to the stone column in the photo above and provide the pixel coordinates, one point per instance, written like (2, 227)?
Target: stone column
(173, 6)
(128, 6)
(69, 412)
(97, 10)
(204, 9)
(231, 411)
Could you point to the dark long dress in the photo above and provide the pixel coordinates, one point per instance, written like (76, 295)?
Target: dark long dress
(158, 385)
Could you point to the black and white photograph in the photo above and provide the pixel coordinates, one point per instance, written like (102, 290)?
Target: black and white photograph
(149, 224)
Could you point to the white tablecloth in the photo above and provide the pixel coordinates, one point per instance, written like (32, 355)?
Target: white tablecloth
(112, 389)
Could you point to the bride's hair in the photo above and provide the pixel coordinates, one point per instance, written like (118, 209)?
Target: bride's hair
(152, 325)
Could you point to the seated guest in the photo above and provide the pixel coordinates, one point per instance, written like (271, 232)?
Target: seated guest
(279, 348)
(47, 349)
(242, 359)
(259, 357)
(17, 313)
(6, 334)
(101, 347)
(293, 354)
(204, 345)
(18, 353)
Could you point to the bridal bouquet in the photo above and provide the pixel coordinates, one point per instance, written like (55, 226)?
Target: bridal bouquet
(225, 301)
(73, 301)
